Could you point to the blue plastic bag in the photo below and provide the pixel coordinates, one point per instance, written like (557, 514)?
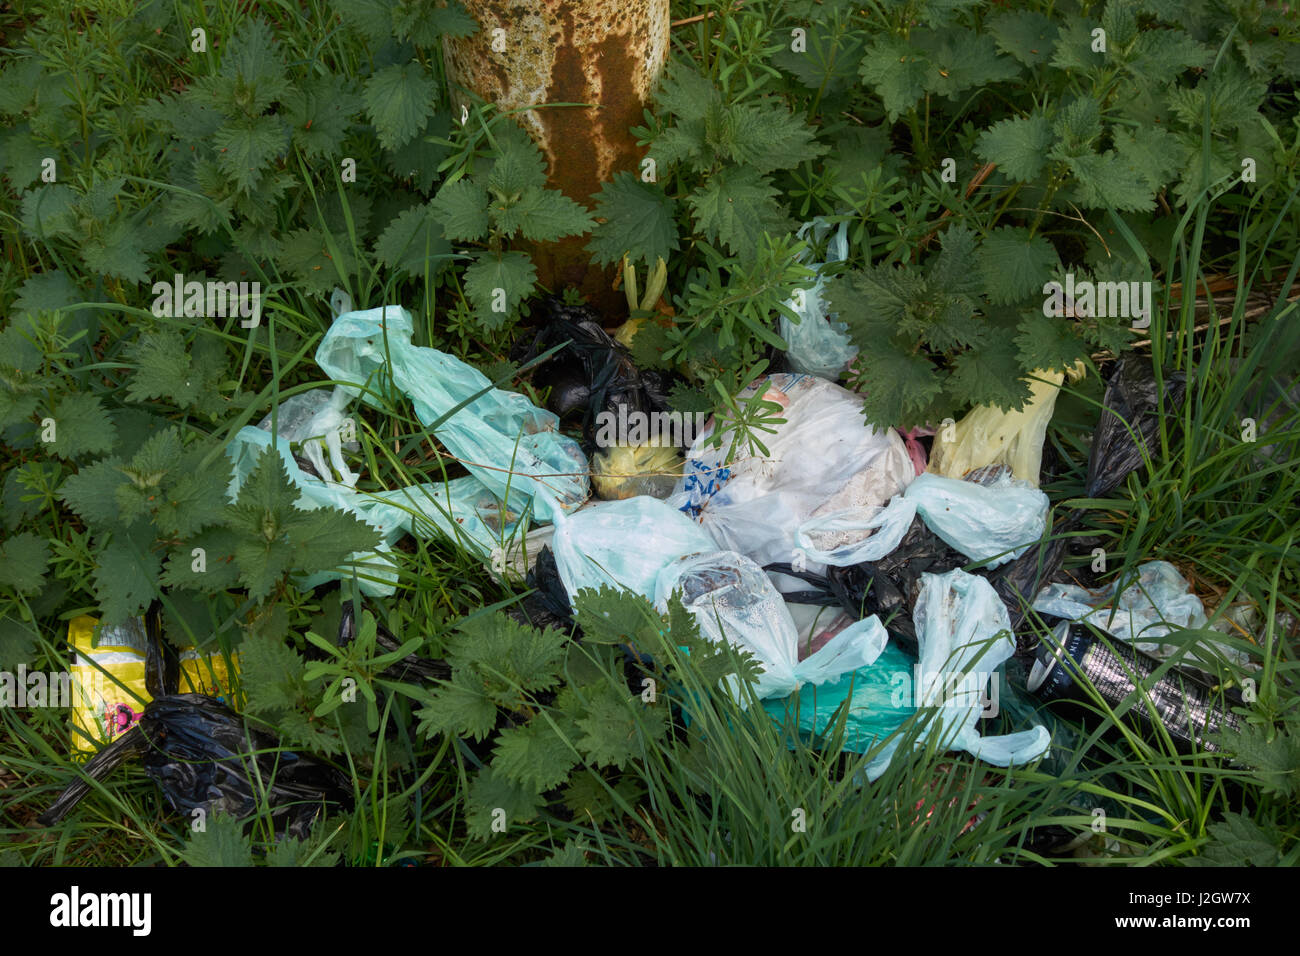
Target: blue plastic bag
(818, 345)
(513, 447)
(993, 523)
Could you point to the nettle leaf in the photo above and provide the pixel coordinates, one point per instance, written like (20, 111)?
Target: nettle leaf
(373, 19)
(414, 242)
(1237, 841)
(494, 799)
(766, 136)
(519, 164)
(534, 755)
(1077, 127)
(188, 376)
(639, 221)
(18, 641)
(496, 284)
(991, 375)
(1159, 56)
(126, 575)
(49, 212)
(545, 215)
(459, 708)
(829, 62)
(81, 426)
(23, 560)
(1048, 343)
(1027, 35)
(897, 71)
(1074, 46)
(307, 255)
(897, 386)
(46, 292)
(92, 492)
(1018, 146)
(271, 674)
(1151, 158)
(462, 209)
(399, 101)
(218, 570)
(1234, 95)
(1015, 264)
(193, 500)
(319, 111)
(961, 59)
(617, 726)
(247, 145)
(735, 206)
(252, 74)
(614, 616)
(1103, 180)
(220, 843)
(1275, 762)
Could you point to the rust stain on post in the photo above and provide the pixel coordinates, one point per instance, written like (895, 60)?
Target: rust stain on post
(603, 52)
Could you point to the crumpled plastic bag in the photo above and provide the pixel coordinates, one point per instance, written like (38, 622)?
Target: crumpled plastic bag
(987, 435)
(622, 543)
(310, 418)
(503, 439)
(824, 459)
(876, 706)
(1157, 603)
(625, 471)
(994, 522)
(963, 634)
(887, 525)
(817, 344)
(733, 601)
(1132, 397)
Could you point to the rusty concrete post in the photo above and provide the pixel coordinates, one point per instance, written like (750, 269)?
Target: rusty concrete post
(604, 52)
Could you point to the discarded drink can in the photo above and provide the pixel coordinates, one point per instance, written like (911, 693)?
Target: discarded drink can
(1186, 707)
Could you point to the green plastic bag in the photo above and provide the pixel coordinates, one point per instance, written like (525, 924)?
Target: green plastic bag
(513, 447)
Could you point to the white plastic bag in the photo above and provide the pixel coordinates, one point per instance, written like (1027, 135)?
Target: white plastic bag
(887, 524)
(624, 543)
(818, 345)
(963, 634)
(993, 522)
(823, 460)
(733, 600)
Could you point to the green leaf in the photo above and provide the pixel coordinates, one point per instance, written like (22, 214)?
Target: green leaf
(640, 221)
(1273, 756)
(81, 426)
(46, 292)
(1159, 56)
(1237, 841)
(519, 164)
(618, 726)
(735, 206)
(496, 285)
(23, 560)
(1014, 264)
(766, 136)
(897, 386)
(126, 576)
(897, 71)
(252, 71)
(319, 111)
(458, 708)
(507, 657)
(49, 212)
(991, 375)
(414, 242)
(496, 801)
(462, 209)
(1074, 43)
(1027, 35)
(1017, 145)
(399, 101)
(1048, 343)
(546, 215)
(961, 59)
(270, 674)
(246, 146)
(614, 616)
(189, 376)
(1108, 182)
(534, 755)
(17, 641)
(1150, 158)
(92, 492)
(221, 842)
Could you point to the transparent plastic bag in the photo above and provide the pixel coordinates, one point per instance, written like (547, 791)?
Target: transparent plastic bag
(624, 543)
(310, 418)
(887, 526)
(822, 460)
(964, 635)
(503, 439)
(994, 523)
(733, 600)
(625, 471)
(818, 345)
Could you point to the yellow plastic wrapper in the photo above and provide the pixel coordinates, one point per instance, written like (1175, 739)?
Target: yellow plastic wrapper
(108, 699)
(986, 435)
(626, 471)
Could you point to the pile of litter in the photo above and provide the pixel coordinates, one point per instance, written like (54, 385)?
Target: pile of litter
(935, 573)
